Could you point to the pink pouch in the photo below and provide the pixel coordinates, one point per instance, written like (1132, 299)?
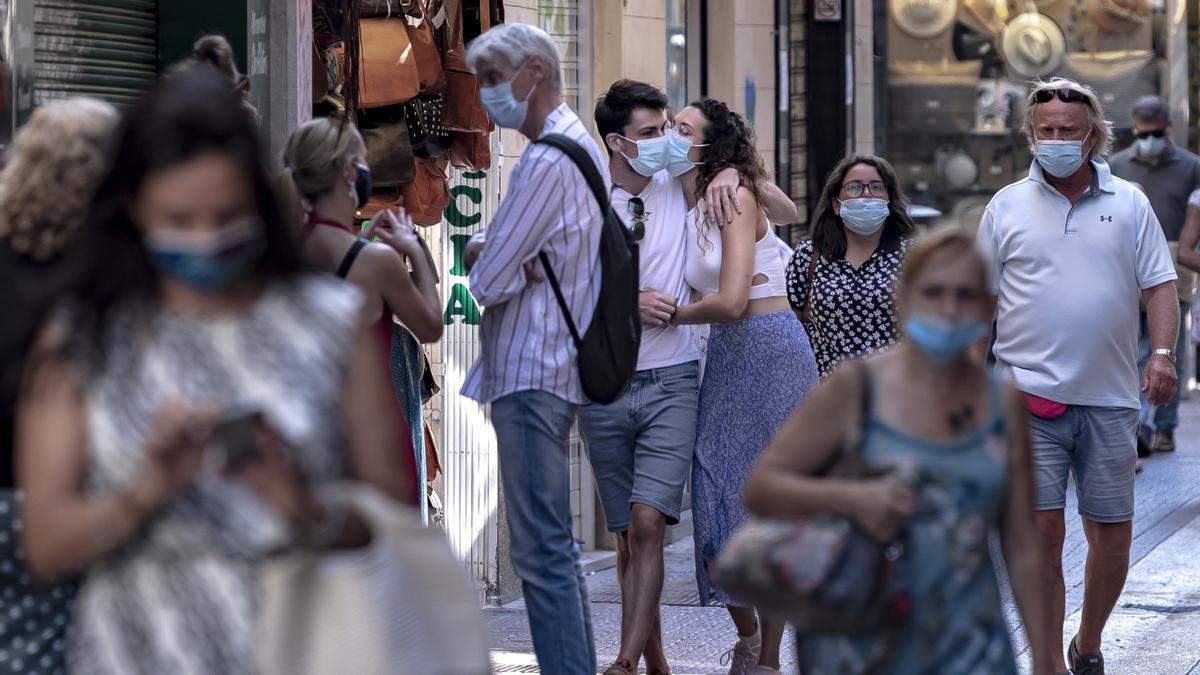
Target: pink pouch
(1044, 408)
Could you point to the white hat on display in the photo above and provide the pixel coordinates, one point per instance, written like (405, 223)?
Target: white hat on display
(1033, 45)
(924, 18)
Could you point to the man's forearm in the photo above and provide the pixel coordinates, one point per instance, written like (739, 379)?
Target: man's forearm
(1162, 314)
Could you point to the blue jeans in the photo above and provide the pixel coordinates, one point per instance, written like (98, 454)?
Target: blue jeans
(532, 433)
(1166, 417)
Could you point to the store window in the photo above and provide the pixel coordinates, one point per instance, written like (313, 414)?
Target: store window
(958, 73)
(677, 54)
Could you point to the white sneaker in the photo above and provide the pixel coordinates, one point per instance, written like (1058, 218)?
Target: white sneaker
(743, 657)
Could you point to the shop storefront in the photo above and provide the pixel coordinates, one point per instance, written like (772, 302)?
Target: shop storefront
(949, 103)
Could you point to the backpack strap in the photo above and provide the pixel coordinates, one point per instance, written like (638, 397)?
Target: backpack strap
(348, 261)
(582, 161)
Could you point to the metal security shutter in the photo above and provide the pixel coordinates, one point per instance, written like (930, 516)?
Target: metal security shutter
(107, 49)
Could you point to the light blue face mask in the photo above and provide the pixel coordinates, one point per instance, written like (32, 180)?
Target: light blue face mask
(942, 341)
(504, 108)
(1061, 158)
(678, 148)
(864, 215)
(651, 155)
(1152, 146)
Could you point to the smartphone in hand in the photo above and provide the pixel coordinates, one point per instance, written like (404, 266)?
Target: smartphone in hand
(233, 439)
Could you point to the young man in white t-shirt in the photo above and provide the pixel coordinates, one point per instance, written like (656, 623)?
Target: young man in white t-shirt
(641, 446)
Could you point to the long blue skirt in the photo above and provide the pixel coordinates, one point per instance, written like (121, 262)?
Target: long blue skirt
(757, 372)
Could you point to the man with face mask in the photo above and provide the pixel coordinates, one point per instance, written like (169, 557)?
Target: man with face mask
(1072, 246)
(641, 445)
(1168, 174)
(526, 368)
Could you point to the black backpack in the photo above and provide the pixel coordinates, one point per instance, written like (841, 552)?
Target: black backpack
(608, 352)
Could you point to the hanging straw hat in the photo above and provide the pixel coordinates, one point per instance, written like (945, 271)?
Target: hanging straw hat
(1119, 16)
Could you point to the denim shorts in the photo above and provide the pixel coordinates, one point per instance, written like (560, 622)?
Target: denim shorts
(641, 445)
(1099, 445)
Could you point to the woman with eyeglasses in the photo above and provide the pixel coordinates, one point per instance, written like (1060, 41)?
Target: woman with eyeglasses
(182, 416)
(759, 363)
(860, 233)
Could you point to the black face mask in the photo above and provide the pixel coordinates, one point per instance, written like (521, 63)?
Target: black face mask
(362, 185)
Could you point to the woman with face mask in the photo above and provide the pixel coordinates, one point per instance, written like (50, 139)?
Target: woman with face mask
(180, 416)
(950, 447)
(861, 231)
(327, 179)
(759, 364)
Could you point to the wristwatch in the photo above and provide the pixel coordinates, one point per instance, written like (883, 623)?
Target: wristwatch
(1167, 353)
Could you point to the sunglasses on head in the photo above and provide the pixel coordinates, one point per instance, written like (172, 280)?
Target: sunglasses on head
(1157, 133)
(1066, 95)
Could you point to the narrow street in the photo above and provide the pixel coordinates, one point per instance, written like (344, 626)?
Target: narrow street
(1152, 631)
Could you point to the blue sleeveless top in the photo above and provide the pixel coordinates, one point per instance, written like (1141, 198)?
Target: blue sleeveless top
(957, 624)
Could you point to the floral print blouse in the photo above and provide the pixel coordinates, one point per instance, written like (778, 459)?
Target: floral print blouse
(853, 310)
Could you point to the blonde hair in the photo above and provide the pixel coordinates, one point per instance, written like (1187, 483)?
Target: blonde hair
(945, 238)
(314, 161)
(1101, 127)
(54, 165)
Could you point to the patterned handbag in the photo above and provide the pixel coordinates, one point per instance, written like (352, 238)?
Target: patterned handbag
(821, 573)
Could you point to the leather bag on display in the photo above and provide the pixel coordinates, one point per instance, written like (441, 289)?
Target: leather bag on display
(1119, 78)
(464, 110)
(429, 59)
(933, 96)
(471, 151)
(389, 73)
(428, 137)
(389, 153)
(427, 195)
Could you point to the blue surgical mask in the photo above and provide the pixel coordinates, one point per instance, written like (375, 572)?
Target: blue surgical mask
(678, 148)
(651, 155)
(1151, 146)
(865, 215)
(362, 185)
(504, 108)
(209, 262)
(1061, 158)
(940, 340)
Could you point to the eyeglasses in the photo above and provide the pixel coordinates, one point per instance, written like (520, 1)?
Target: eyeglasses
(1157, 133)
(855, 188)
(637, 210)
(1066, 95)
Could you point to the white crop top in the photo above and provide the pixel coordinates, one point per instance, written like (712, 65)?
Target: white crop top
(703, 267)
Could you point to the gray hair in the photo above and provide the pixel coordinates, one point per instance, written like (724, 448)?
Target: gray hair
(1101, 127)
(514, 44)
(1150, 109)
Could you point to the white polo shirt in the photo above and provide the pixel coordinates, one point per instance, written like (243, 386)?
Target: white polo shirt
(661, 256)
(1068, 280)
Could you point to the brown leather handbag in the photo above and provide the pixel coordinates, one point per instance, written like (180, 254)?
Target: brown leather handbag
(471, 151)
(388, 74)
(463, 110)
(389, 153)
(428, 195)
(425, 49)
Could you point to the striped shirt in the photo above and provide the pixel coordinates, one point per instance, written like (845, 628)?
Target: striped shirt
(549, 207)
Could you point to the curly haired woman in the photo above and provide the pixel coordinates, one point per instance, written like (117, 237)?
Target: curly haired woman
(54, 166)
(759, 364)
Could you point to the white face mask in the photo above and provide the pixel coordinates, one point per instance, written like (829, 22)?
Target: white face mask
(502, 106)
(678, 149)
(1152, 146)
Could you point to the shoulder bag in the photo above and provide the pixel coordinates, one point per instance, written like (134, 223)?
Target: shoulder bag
(821, 573)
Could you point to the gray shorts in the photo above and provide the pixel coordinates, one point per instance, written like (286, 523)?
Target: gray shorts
(641, 445)
(1099, 444)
